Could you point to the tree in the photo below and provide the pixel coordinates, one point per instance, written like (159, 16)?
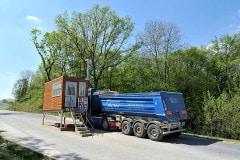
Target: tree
(20, 89)
(158, 40)
(38, 79)
(4, 101)
(224, 62)
(222, 115)
(21, 86)
(49, 48)
(187, 74)
(28, 75)
(130, 76)
(98, 35)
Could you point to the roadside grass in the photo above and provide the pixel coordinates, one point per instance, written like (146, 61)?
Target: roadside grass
(12, 151)
(29, 107)
(31, 103)
(214, 138)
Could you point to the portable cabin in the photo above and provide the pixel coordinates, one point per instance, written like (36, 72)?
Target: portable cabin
(63, 94)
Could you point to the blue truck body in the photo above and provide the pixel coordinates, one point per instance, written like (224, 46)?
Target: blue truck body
(164, 109)
(154, 104)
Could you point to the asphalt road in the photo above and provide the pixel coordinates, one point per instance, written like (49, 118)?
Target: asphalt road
(27, 130)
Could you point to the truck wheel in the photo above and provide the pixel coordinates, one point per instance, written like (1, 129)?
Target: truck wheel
(138, 130)
(154, 132)
(105, 124)
(127, 128)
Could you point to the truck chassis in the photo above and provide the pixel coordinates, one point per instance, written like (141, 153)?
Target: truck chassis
(142, 126)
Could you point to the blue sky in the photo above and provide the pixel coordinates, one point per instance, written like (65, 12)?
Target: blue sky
(200, 21)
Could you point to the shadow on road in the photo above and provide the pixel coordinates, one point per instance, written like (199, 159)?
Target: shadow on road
(99, 131)
(189, 140)
(9, 113)
(183, 139)
(72, 156)
(39, 146)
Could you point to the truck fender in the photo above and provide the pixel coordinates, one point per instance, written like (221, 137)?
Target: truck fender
(141, 121)
(129, 120)
(157, 123)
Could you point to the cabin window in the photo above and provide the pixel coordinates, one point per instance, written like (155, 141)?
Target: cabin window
(82, 89)
(71, 94)
(56, 89)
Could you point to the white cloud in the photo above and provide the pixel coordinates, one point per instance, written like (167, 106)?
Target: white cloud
(33, 18)
(230, 26)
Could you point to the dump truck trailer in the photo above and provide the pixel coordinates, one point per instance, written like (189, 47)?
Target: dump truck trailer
(153, 114)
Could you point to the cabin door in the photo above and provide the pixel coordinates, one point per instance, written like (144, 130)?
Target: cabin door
(71, 94)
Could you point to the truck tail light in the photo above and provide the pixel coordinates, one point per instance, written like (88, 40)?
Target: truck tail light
(183, 111)
(169, 113)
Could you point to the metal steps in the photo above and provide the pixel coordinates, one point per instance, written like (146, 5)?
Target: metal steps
(83, 131)
(80, 126)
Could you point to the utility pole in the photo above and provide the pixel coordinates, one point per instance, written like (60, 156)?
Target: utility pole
(87, 77)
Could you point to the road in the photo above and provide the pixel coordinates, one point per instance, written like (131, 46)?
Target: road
(27, 129)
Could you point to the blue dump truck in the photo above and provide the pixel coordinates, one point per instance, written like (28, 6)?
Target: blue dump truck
(154, 114)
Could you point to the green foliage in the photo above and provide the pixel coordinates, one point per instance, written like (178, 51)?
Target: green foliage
(32, 102)
(33, 95)
(187, 75)
(20, 89)
(22, 85)
(222, 116)
(98, 35)
(224, 62)
(208, 77)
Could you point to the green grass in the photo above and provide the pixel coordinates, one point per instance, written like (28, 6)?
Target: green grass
(12, 151)
(32, 102)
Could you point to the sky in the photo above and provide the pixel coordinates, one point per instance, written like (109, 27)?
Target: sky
(200, 21)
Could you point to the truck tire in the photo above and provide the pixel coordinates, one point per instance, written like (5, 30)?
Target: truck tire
(154, 132)
(105, 124)
(139, 130)
(127, 128)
